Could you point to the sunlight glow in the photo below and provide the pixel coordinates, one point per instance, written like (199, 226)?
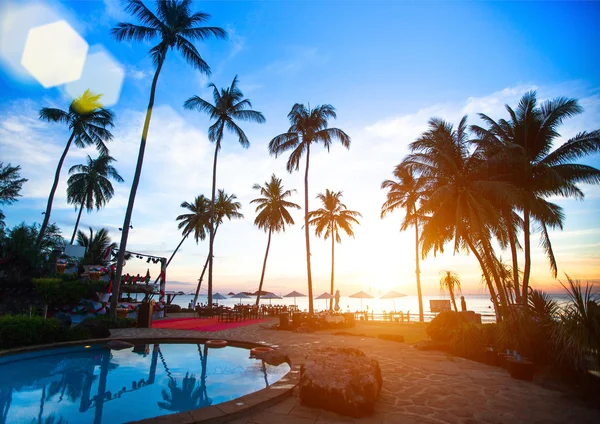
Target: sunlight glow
(54, 54)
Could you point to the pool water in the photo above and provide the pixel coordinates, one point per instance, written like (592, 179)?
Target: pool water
(91, 384)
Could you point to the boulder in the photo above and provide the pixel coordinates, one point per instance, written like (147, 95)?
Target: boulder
(274, 357)
(392, 337)
(342, 380)
(117, 345)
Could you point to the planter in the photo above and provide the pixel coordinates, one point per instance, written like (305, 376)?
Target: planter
(520, 369)
(122, 313)
(60, 268)
(94, 276)
(502, 358)
(491, 357)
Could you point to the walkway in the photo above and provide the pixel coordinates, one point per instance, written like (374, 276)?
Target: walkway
(418, 387)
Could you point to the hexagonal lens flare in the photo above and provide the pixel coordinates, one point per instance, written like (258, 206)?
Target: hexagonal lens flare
(102, 74)
(54, 54)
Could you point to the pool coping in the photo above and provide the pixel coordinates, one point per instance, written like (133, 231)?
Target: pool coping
(220, 413)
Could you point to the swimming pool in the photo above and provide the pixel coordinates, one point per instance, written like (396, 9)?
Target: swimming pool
(92, 384)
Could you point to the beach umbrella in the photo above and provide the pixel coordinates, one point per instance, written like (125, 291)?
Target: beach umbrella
(241, 295)
(392, 295)
(361, 295)
(270, 296)
(325, 296)
(295, 294)
(218, 296)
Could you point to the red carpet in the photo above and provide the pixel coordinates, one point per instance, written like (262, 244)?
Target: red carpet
(204, 324)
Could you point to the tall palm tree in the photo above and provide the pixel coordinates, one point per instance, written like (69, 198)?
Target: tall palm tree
(272, 215)
(194, 222)
(225, 207)
(307, 126)
(450, 282)
(175, 25)
(406, 192)
(10, 186)
(88, 122)
(329, 219)
(528, 139)
(463, 202)
(89, 185)
(229, 107)
(189, 396)
(96, 245)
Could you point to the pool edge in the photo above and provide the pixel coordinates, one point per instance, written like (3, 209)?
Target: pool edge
(223, 412)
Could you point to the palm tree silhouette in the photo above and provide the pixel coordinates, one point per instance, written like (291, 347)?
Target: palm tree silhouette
(272, 214)
(230, 106)
(463, 201)
(450, 282)
(406, 192)
(175, 25)
(225, 207)
(95, 245)
(329, 219)
(88, 122)
(307, 126)
(89, 185)
(10, 186)
(194, 222)
(525, 142)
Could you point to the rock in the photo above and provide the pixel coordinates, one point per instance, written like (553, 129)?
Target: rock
(95, 328)
(117, 345)
(274, 357)
(431, 345)
(347, 333)
(303, 328)
(342, 380)
(393, 337)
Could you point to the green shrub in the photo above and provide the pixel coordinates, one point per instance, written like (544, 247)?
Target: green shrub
(490, 334)
(467, 340)
(115, 322)
(56, 291)
(20, 330)
(440, 328)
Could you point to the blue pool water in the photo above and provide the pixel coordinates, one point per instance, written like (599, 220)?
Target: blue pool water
(91, 384)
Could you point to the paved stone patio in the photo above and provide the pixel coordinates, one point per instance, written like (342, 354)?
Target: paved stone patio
(418, 387)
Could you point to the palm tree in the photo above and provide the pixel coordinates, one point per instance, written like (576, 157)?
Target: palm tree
(463, 202)
(230, 106)
(175, 25)
(272, 215)
(307, 126)
(225, 207)
(406, 192)
(194, 222)
(10, 186)
(329, 219)
(91, 185)
(89, 123)
(528, 138)
(96, 246)
(450, 282)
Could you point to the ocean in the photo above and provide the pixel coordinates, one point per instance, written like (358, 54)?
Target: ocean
(481, 304)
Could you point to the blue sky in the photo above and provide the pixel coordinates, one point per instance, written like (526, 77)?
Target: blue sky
(386, 66)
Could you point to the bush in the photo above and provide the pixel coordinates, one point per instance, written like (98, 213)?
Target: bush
(468, 341)
(441, 327)
(115, 322)
(21, 330)
(56, 291)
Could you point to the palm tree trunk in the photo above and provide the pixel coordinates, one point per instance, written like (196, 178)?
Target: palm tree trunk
(77, 222)
(262, 275)
(172, 255)
(451, 291)
(515, 264)
(38, 243)
(487, 280)
(527, 250)
(136, 180)
(332, 271)
(418, 271)
(203, 271)
(212, 224)
(311, 310)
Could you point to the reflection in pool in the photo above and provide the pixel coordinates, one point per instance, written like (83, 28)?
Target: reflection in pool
(91, 384)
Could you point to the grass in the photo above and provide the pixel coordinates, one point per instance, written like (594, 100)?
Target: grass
(413, 332)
